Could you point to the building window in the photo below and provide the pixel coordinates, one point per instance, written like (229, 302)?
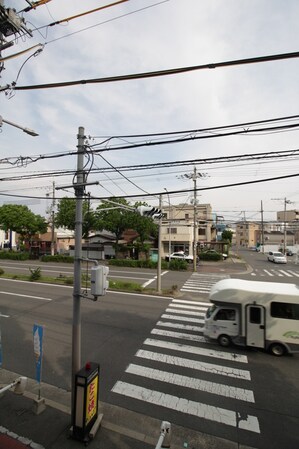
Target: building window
(173, 230)
(186, 216)
(201, 231)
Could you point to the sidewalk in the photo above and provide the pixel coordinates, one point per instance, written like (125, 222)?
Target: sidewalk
(120, 428)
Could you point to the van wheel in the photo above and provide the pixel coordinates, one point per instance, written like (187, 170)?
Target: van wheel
(277, 349)
(224, 340)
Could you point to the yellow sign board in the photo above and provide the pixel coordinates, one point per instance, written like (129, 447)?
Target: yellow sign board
(91, 400)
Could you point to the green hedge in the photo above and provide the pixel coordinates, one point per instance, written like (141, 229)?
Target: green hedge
(58, 258)
(13, 255)
(210, 256)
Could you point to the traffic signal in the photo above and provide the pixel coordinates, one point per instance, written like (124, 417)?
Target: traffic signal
(98, 280)
(148, 211)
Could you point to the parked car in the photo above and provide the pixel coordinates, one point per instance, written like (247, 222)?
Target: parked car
(289, 252)
(180, 255)
(276, 257)
(213, 251)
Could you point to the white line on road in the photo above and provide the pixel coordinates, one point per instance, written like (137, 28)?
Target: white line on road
(3, 316)
(183, 318)
(185, 327)
(152, 280)
(195, 364)
(240, 394)
(185, 312)
(197, 350)
(204, 411)
(25, 296)
(198, 303)
(179, 306)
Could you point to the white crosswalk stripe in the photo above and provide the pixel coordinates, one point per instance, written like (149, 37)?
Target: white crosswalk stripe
(201, 283)
(275, 272)
(177, 354)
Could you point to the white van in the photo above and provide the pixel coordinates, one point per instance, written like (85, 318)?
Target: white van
(258, 314)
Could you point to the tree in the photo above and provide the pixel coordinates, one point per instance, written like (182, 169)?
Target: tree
(66, 215)
(21, 219)
(114, 218)
(227, 235)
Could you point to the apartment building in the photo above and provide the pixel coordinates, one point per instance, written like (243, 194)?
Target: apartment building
(177, 232)
(247, 234)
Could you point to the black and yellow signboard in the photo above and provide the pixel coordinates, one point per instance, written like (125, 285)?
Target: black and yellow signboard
(86, 400)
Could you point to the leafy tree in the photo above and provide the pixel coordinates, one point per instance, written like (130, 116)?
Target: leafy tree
(21, 219)
(66, 215)
(227, 235)
(113, 218)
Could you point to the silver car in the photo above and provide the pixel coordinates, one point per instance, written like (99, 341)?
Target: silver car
(277, 257)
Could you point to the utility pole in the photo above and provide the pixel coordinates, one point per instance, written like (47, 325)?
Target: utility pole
(53, 223)
(262, 223)
(195, 222)
(79, 187)
(159, 249)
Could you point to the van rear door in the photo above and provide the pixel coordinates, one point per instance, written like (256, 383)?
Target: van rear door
(255, 326)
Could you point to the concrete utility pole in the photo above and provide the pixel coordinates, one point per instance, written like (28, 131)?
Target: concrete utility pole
(195, 222)
(262, 223)
(169, 228)
(159, 249)
(79, 187)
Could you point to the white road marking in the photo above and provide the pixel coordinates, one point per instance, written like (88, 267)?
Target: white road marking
(3, 316)
(197, 350)
(223, 416)
(286, 273)
(183, 318)
(240, 394)
(268, 273)
(151, 280)
(185, 312)
(185, 327)
(198, 303)
(26, 296)
(180, 306)
(180, 335)
(294, 273)
(194, 364)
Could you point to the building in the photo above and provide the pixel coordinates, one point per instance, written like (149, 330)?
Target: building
(177, 232)
(247, 234)
(288, 215)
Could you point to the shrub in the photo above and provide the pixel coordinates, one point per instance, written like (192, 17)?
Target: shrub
(1, 271)
(177, 265)
(35, 274)
(14, 255)
(210, 256)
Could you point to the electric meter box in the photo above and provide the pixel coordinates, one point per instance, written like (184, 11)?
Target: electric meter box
(98, 280)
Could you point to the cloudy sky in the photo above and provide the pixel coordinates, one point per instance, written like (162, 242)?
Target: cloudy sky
(143, 36)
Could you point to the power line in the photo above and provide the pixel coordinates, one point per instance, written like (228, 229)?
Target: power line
(167, 72)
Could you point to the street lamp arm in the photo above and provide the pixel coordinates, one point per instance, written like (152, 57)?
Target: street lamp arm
(29, 131)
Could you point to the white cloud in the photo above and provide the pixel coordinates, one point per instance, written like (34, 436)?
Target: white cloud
(172, 34)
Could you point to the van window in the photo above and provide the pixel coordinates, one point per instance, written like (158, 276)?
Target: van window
(226, 314)
(285, 310)
(211, 310)
(255, 315)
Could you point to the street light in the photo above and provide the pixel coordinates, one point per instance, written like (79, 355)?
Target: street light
(29, 131)
(169, 237)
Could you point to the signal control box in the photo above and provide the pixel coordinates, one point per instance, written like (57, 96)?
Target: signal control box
(98, 280)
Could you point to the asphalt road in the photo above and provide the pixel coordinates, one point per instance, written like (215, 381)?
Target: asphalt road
(116, 328)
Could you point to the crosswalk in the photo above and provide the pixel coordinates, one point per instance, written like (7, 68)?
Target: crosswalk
(201, 283)
(272, 272)
(178, 370)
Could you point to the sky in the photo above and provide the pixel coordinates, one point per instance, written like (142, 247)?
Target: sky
(142, 36)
